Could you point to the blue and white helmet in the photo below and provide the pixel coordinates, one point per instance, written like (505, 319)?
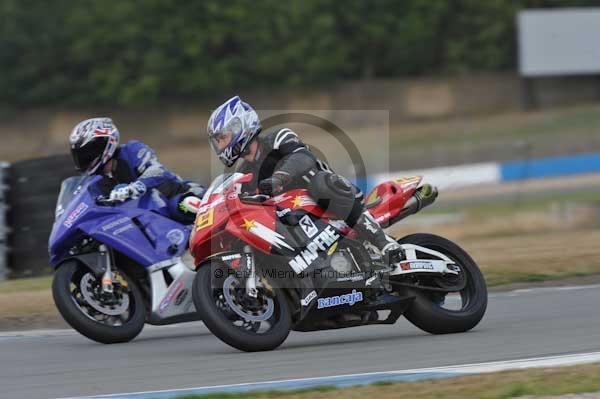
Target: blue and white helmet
(231, 128)
(93, 143)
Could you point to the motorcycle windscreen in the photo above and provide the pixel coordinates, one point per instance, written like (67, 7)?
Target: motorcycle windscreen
(68, 190)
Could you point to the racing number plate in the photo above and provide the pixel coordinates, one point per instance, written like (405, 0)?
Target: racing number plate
(205, 219)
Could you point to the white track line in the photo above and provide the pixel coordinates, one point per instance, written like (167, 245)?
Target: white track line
(367, 378)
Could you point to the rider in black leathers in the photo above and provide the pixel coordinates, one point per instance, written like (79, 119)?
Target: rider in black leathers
(280, 161)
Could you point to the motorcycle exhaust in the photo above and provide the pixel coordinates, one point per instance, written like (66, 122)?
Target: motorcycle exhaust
(423, 196)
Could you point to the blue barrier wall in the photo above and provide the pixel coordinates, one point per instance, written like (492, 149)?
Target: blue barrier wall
(484, 173)
(550, 167)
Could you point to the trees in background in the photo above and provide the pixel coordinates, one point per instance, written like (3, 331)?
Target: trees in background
(128, 52)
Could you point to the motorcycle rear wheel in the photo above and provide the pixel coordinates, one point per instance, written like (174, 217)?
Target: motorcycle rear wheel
(219, 317)
(76, 309)
(426, 311)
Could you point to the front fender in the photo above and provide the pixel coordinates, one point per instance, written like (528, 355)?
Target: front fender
(95, 261)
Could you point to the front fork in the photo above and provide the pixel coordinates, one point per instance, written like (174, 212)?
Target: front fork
(251, 270)
(107, 277)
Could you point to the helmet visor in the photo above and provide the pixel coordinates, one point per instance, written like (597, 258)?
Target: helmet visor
(220, 141)
(222, 138)
(87, 156)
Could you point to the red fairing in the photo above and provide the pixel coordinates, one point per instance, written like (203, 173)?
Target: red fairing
(208, 228)
(254, 224)
(225, 218)
(301, 199)
(391, 196)
(297, 199)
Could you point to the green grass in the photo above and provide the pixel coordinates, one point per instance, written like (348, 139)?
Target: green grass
(503, 385)
(538, 128)
(520, 203)
(26, 285)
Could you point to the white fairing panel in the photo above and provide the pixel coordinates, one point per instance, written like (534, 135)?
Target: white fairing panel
(174, 299)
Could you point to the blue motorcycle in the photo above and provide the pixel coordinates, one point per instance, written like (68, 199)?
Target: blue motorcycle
(118, 265)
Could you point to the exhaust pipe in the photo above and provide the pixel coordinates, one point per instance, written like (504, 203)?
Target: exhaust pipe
(423, 196)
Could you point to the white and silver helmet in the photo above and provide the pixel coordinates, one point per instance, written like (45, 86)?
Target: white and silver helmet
(231, 128)
(93, 143)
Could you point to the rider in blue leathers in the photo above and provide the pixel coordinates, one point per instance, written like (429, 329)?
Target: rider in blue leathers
(132, 168)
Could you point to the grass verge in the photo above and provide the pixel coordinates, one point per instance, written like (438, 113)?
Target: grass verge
(503, 385)
(26, 285)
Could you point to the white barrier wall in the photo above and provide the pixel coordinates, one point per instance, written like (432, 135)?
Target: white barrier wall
(450, 177)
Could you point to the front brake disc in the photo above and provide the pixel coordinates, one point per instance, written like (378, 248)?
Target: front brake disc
(87, 285)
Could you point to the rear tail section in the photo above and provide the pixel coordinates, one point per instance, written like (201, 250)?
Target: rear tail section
(394, 200)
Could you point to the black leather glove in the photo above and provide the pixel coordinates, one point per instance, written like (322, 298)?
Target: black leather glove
(273, 185)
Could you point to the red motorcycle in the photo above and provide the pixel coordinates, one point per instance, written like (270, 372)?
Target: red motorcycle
(269, 265)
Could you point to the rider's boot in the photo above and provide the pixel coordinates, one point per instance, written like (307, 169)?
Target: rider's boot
(367, 227)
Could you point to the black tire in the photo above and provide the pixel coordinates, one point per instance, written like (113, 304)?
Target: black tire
(217, 322)
(95, 330)
(425, 313)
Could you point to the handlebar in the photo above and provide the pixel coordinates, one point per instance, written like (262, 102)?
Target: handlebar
(254, 198)
(101, 200)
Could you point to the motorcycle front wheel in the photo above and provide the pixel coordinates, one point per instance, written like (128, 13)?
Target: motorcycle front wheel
(245, 323)
(105, 318)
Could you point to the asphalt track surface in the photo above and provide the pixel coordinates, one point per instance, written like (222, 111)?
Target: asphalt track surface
(518, 324)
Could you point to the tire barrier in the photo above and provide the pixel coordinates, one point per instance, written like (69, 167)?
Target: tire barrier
(4, 168)
(34, 187)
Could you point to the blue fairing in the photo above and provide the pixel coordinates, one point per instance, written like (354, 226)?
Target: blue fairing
(140, 229)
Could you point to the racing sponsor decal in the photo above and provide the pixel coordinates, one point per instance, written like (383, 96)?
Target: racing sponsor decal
(233, 260)
(416, 266)
(370, 226)
(280, 198)
(339, 224)
(312, 295)
(213, 204)
(75, 214)
(302, 200)
(308, 227)
(120, 230)
(406, 180)
(173, 293)
(115, 223)
(265, 233)
(181, 297)
(324, 241)
(345, 299)
(205, 219)
(283, 212)
(409, 182)
(175, 236)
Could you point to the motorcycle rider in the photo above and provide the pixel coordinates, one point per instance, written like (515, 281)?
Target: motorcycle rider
(133, 166)
(280, 161)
